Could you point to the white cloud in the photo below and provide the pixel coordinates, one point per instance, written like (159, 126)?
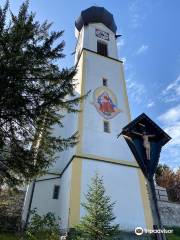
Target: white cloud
(151, 104)
(135, 16)
(171, 122)
(120, 43)
(171, 152)
(138, 10)
(128, 67)
(135, 90)
(171, 116)
(124, 59)
(172, 92)
(142, 49)
(174, 131)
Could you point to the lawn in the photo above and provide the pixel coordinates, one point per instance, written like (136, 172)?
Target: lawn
(173, 237)
(6, 236)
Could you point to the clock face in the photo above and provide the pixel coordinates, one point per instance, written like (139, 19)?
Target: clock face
(102, 34)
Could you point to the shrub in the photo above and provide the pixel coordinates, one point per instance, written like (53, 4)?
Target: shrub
(42, 227)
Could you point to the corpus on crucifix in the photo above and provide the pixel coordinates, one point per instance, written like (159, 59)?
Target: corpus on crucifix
(146, 143)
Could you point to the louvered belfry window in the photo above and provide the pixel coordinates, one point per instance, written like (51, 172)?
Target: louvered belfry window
(102, 48)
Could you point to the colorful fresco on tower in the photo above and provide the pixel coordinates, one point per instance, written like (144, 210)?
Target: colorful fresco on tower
(105, 102)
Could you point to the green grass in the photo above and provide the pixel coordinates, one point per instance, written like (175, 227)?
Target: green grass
(8, 236)
(175, 235)
(172, 237)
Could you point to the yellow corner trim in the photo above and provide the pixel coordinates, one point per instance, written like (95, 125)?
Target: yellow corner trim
(80, 114)
(110, 160)
(125, 92)
(145, 199)
(75, 193)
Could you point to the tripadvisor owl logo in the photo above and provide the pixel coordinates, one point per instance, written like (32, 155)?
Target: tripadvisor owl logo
(139, 231)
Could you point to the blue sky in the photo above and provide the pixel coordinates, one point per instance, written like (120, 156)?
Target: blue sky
(149, 47)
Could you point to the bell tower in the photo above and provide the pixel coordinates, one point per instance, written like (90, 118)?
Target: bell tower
(101, 30)
(103, 115)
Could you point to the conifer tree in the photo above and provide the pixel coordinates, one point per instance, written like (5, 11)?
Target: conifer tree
(35, 95)
(97, 224)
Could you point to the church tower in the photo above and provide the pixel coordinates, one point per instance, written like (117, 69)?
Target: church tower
(103, 115)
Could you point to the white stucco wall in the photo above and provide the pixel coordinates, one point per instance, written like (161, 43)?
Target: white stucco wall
(63, 207)
(70, 126)
(70, 122)
(95, 140)
(90, 39)
(122, 185)
(87, 38)
(43, 196)
(96, 68)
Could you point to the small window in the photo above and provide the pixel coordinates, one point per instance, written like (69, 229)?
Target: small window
(102, 48)
(106, 127)
(104, 82)
(56, 192)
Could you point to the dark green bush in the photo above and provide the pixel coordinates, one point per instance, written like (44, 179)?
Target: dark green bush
(9, 223)
(42, 227)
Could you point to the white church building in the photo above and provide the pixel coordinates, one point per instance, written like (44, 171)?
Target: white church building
(104, 113)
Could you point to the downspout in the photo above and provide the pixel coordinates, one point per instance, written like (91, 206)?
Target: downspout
(35, 148)
(30, 203)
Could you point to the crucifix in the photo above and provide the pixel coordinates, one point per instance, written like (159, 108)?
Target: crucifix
(146, 140)
(138, 137)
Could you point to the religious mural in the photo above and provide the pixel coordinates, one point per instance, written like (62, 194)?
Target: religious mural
(105, 102)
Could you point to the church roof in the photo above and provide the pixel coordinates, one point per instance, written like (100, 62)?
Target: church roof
(96, 14)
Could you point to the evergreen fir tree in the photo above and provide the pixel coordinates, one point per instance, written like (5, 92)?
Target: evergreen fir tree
(97, 224)
(35, 95)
